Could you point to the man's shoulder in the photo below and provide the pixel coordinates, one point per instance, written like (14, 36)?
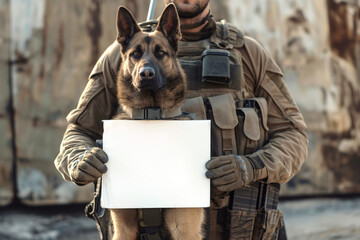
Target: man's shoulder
(228, 34)
(111, 58)
(260, 55)
(254, 47)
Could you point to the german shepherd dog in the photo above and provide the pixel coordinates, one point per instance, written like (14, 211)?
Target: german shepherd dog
(151, 76)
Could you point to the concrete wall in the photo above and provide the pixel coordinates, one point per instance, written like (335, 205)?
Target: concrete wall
(54, 45)
(6, 157)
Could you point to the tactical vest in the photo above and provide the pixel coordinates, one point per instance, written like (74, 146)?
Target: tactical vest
(239, 126)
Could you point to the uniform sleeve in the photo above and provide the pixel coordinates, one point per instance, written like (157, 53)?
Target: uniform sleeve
(97, 102)
(75, 141)
(286, 150)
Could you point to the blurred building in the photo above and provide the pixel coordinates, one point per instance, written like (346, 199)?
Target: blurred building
(48, 48)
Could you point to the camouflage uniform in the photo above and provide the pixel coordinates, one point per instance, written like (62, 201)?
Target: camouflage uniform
(259, 76)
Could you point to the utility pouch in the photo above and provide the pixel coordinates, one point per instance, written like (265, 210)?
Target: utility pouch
(192, 69)
(196, 106)
(221, 110)
(252, 130)
(216, 66)
(240, 224)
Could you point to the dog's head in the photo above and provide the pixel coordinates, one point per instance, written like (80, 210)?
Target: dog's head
(150, 75)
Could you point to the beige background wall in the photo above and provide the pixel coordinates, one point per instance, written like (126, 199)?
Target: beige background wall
(56, 43)
(6, 157)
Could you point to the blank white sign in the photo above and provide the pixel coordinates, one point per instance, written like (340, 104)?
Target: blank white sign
(156, 164)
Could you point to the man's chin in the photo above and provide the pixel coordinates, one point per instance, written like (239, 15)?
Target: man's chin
(189, 10)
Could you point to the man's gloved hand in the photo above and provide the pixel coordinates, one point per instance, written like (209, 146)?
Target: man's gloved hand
(229, 172)
(89, 166)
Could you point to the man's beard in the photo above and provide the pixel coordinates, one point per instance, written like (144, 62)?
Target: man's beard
(194, 12)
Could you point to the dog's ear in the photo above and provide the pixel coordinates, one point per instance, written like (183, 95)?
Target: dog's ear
(126, 27)
(169, 25)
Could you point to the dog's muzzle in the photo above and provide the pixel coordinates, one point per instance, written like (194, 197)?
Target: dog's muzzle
(150, 80)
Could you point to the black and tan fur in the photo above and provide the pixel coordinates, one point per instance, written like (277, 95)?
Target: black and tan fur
(151, 76)
(157, 49)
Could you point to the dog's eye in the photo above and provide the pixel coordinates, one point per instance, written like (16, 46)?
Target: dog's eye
(160, 53)
(135, 53)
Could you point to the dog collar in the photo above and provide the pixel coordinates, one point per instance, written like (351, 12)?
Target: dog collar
(154, 113)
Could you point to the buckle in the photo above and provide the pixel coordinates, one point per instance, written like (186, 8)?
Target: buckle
(152, 113)
(147, 114)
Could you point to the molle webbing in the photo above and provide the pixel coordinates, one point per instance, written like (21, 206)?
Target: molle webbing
(226, 37)
(256, 196)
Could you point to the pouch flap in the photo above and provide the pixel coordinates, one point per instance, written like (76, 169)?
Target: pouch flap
(264, 110)
(195, 105)
(224, 111)
(251, 123)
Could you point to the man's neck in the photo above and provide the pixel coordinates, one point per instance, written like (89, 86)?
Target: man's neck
(195, 20)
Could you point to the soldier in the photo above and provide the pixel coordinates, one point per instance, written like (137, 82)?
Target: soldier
(245, 182)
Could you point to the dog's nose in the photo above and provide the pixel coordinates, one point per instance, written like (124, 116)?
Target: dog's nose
(147, 73)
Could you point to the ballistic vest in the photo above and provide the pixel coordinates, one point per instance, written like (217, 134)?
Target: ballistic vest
(238, 126)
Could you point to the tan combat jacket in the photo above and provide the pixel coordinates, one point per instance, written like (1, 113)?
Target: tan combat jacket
(282, 156)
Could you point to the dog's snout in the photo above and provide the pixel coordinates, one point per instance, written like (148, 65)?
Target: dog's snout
(150, 78)
(147, 73)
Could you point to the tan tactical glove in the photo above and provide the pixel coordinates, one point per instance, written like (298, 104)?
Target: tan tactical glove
(89, 166)
(230, 172)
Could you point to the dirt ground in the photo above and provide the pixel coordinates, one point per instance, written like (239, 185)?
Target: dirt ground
(322, 219)
(304, 219)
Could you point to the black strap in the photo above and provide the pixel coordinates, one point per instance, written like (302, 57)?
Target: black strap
(151, 233)
(150, 224)
(101, 216)
(94, 210)
(256, 162)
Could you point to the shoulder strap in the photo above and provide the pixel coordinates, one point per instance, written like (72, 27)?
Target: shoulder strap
(227, 35)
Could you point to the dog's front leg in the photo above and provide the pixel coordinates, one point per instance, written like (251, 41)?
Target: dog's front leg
(125, 223)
